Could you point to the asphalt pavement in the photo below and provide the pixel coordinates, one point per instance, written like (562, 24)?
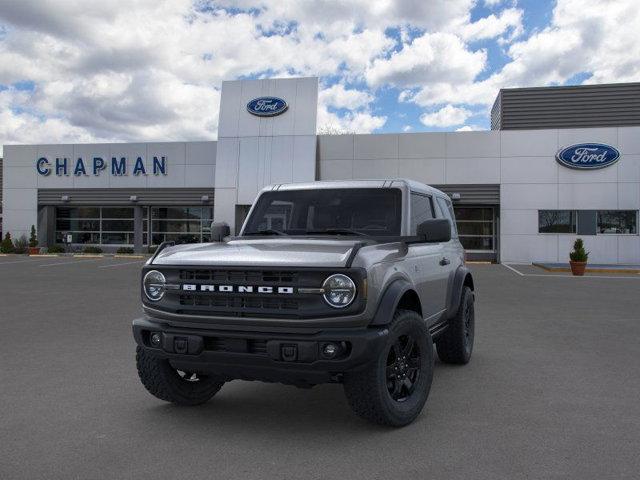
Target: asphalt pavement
(552, 391)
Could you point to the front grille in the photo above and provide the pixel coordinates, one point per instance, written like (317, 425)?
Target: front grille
(242, 303)
(251, 277)
(238, 302)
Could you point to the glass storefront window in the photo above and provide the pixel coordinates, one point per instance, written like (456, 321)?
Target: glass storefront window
(618, 221)
(180, 224)
(556, 221)
(95, 225)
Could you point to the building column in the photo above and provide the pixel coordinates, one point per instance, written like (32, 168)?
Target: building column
(137, 229)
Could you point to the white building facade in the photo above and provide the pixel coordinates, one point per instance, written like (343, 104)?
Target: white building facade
(515, 202)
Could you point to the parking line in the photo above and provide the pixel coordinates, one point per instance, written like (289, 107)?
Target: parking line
(566, 276)
(70, 263)
(120, 264)
(513, 270)
(22, 261)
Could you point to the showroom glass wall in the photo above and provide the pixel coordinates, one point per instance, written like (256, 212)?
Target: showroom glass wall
(115, 225)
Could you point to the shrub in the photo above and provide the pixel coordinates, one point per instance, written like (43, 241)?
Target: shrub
(20, 245)
(91, 249)
(579, 254)
(33, 239)
(153, 249)
(56, 249)
(7, 244)
(124, 250)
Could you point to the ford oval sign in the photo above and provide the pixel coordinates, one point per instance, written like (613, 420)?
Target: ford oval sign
(588, 156)
(267, 106)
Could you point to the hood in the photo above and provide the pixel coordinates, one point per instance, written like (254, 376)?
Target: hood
(280, 252)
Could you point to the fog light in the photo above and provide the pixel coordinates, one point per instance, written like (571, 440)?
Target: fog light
(156, 340)
(330, 350)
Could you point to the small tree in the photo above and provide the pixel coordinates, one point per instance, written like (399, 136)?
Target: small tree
(7, 244)
(579, 254)
(33, 239)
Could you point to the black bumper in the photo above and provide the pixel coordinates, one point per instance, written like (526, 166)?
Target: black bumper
(286, 357)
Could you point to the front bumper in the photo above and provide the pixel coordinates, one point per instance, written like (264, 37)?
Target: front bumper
(291, 357)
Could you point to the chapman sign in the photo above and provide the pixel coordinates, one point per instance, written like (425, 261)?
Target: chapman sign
(588, 156)
(267, 106)
(95, 166)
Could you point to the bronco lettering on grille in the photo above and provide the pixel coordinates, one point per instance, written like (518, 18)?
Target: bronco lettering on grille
(266, 289)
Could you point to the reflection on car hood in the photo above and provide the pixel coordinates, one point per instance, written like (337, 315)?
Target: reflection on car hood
(273, 252)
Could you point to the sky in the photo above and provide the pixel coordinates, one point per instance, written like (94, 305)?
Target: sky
(77, 71)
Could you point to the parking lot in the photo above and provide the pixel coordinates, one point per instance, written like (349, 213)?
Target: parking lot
(553, 391)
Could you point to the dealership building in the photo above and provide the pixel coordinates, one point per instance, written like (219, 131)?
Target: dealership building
(559, 162)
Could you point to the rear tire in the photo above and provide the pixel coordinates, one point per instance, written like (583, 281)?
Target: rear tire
(393, 389)
(456, 343)
(171, 385)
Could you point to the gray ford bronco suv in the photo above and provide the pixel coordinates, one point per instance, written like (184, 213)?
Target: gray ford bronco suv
(348, 282)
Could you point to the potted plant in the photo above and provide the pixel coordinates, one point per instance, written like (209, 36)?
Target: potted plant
(21, 245)
(578, 258)
(33, 242)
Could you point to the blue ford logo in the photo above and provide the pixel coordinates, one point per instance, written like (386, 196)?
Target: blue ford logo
(267, 106)
(588, 156)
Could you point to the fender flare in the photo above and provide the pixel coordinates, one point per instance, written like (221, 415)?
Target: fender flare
(462, 275)
(389, 301)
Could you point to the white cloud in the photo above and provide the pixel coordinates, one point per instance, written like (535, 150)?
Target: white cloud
(338, 96)
(407, 128)
(151, 69)
(447, 116)
(432, 57)
(469, 128)
(509, 20)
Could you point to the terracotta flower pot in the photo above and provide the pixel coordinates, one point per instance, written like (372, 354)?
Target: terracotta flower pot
(578, 268)
(34, 250)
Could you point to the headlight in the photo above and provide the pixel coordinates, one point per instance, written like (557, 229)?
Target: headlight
(153, 285)
(339, 290)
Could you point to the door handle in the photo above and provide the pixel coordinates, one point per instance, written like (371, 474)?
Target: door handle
(444, 261)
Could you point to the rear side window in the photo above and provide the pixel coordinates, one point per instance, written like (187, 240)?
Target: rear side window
(421, 210)
(447, 212)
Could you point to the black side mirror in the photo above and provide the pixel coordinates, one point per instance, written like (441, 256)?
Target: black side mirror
(219, 230)
(435, 230)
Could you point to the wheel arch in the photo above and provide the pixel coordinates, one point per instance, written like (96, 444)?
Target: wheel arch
(462, 278)
(399, 294)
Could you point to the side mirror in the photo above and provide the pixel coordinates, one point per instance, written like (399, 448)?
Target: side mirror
(219, 230)
(435, 230)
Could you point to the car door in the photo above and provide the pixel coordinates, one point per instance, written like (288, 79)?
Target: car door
(429, 276)
(452, 253)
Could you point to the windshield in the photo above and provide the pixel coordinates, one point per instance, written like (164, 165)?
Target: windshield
(355, 211)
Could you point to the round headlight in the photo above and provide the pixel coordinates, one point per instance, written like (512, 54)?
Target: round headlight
(153, 285)
(339, 290)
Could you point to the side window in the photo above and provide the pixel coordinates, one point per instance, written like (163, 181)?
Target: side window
(421, 210)
(447, 212)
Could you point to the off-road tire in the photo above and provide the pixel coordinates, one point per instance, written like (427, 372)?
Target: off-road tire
(456, 342)
(368, 389)
(164, 382)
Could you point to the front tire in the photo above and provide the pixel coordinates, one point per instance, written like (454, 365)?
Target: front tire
(171, 385)
(393, 389)
(456, 343)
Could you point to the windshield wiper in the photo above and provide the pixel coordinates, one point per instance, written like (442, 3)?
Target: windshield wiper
(336, 231)
(268, 231)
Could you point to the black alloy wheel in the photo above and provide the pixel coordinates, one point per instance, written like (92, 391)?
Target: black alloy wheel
(403, 368)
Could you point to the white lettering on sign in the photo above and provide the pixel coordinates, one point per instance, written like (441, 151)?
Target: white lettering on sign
(587, 155)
